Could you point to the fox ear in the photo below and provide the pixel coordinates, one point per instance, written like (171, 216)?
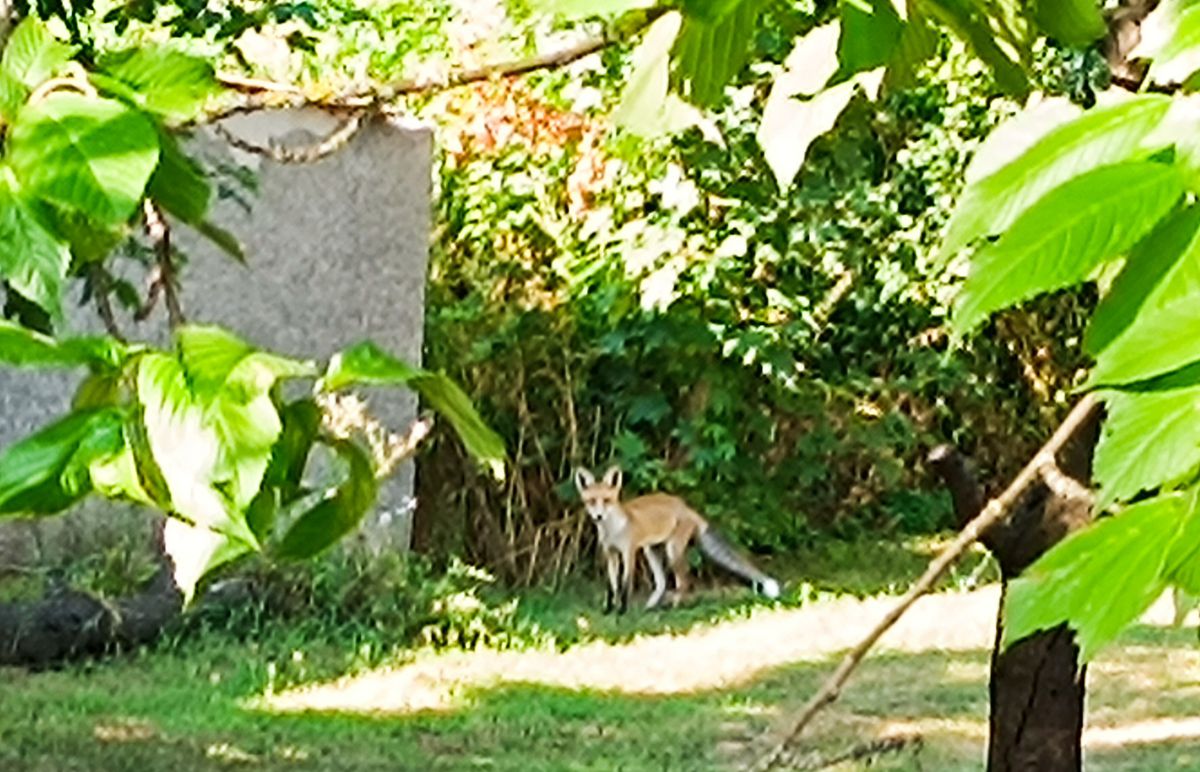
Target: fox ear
(612, 478)
(584, 479)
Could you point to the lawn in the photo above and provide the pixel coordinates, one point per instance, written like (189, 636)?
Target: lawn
(692, 689)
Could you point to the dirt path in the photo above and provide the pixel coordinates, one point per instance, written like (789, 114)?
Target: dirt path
(721, 656)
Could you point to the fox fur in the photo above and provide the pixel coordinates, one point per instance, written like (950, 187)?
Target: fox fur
(647, 522)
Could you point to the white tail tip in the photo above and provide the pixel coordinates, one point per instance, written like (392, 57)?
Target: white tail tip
(770, 588)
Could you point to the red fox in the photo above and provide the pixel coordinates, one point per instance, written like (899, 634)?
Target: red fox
(646, 522)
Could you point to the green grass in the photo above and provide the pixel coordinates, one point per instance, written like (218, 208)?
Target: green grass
(185, 705)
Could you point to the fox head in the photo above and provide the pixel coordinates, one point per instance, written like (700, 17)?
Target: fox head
(599, 498)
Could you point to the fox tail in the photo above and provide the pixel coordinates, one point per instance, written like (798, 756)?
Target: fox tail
(723, 554)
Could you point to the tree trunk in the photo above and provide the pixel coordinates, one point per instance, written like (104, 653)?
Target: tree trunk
(1037, 686)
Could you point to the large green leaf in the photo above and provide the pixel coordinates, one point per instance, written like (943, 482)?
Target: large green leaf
(1101, 578)
(22, 347)
(709, 51)
(163, 81)
(185, 446)
(38, 474)
(799, 109)
(32, 54)
(1063, 237)
(1012, 137)
(178, 184)
(647, 108)
(32, 259)
(1162, 268)
(1149, 439)
(366, 363)
(871, 31)
(89, 154)
(282, 482)
(338, 512)
(1157, 342)
(232, 382)
(1074, 22)
(1101, 136)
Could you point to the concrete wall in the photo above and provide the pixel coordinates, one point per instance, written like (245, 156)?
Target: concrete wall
(337, 253)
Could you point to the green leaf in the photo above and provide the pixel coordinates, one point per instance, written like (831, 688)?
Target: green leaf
(22, 347)
(1063, 237)
(709, 51)
(1074, 22)
(1149, 439)
(792, 117)
(194, 551)
(185, 447)
(301, 422)
(997, 33)
(647, 108)
(918, 42)
(1101, 578)
(1162, 268)
(89, 154)
(366, 363)
(1172, 42)
(32, 259)
(164, 81)
(1155, 344)
(33, 472)
(871, 31)
(33, 55)
(338, 512)
(178, 184)
(1012, 137)
(212, 357)
(1101, 136)
(232, 381)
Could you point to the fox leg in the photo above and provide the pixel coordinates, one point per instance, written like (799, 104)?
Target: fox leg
(660, 576)
(613, 564)
(677, 557)
(627, 556)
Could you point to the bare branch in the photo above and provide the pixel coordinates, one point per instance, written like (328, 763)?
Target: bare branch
(333, 142)
(995, 511)
(163, 277)
(281, 96)
(1062, 485)
(100, 290)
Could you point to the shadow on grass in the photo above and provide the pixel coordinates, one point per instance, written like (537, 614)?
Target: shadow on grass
(570, 614)
(167, 712)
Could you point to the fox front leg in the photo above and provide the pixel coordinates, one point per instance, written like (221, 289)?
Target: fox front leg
(626, 579)
(614, 574)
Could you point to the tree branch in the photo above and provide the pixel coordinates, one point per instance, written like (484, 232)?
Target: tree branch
(163, 278)
(101, 289)
(269, 97)
(330, 144)
(995, 511)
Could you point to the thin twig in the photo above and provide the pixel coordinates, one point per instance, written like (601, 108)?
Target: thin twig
(163, 279)
(995, 511)
(330, 144)
(101, 289)
(270, 98)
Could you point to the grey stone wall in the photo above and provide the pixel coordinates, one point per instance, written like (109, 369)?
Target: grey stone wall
(337, 253)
